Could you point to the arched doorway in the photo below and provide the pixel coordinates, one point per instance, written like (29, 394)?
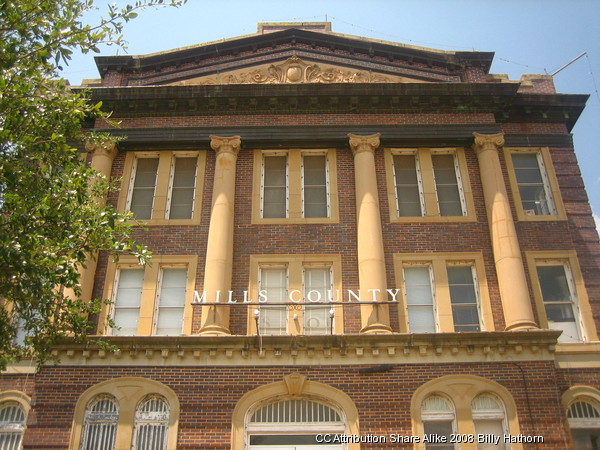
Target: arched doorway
(294, 424)
(294, 414)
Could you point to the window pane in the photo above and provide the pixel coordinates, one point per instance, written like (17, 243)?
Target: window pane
(446, 184)
(315, 186)
(273, 319)
(143, 187)
(182, 189)
(419, 299)
(463, 298)
(275, 186)
(171, 302)
(317, 288)
(126, 311)
(407, 186)
(585, 439)
(315, 202)
(553, 281)
(438, 428)
(535, 195)
(490, 427)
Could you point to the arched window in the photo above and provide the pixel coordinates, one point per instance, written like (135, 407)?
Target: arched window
(489, 418)
(439, 419)
(294, 423)
(12, 425)
(464, 404)
(100, 425)
(151, 424)
(584, 420)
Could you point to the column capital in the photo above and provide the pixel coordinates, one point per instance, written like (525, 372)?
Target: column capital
(360, 144)
(230, 144)
(105, 147)
(485, 142)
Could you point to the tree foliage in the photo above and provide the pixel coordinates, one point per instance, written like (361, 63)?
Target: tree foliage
(50, 221)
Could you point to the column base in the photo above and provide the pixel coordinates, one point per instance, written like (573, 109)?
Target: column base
(522, 325)
(376, 328)
(214, 330)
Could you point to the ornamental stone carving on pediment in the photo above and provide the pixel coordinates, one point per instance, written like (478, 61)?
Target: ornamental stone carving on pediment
(295, 71)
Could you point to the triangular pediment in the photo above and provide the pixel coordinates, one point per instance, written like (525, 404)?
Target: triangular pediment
(296, 71)
(293, 56)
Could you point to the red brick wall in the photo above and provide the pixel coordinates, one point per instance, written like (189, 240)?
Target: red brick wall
(208, 396)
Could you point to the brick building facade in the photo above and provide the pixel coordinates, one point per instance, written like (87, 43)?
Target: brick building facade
(357, 244)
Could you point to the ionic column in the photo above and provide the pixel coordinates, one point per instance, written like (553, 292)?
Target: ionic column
(219, 251)
(371, 258)
(514, 292)
(103, 154)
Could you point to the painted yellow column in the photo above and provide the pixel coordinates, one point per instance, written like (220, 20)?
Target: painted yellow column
(371, 258)
(518, 313)
(219, 252)
(103, 153)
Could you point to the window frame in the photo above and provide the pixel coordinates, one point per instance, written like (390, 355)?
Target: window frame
(87, 426)
(139, 423)
(551, 186)
(294, 186)
(159, 286)
(295, 265)
(266, 155)
(180, 155)
(128, 392)
(303, 154)
(476, 289)
(150, 291)
(582, 308)
(581, 393)
(163, 185)
(461, 390)
(21, 400)
(441, 290)
(430, 210)
(432, 289)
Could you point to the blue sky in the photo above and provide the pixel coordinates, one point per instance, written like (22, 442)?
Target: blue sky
(527, 36)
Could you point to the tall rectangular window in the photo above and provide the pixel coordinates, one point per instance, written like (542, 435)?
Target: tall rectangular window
(463, 297)
(409, 192)
(428, 185)
(274, 194)
(533, 184)
(420, 299)
(560, 302)
(144, 184)
(315, 194)
(182, 188)
(171, 302)
(127, 301)
(317, 289)
(274, 287)
(447, 185)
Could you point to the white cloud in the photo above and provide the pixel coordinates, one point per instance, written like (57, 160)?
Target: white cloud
(597, 219)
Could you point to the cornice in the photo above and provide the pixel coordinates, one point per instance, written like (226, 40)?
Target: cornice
(313, 350)
(500, 99)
